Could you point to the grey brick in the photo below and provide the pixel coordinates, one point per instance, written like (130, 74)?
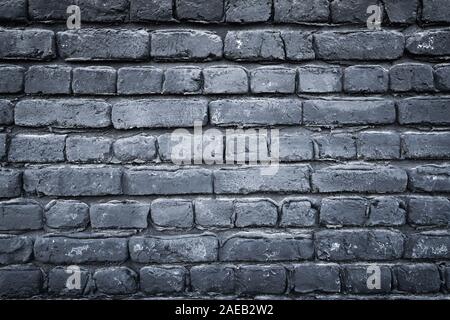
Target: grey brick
(51, 79)
(435, 11)
(137, 149)
(248, 10)
(174, 249)
(425, 211)
(182, 45)
(94, 80)
(88, 149)
(360, 178)
(103, 44)
(2, 146)
(298, 213)
(15, 249)
(366, 79)
(13, 10)
(214, 213)
(293, 178)
(348, 112)
(183, 80)
(58, 278)
(151, 10)
(358, 244)
(200, 10)
(317, 277)
(247, 146)
(442, 77)
(116, 280)
(386, 211)
(157, 113)
(37, 148)
(172, 213)
(6, 112)
(301, 11)
(225, 79)
(11, 78)
(273, 80)
(418, 278)
(119, 215)
(139, 80)
(254, 279)
(264, 247)
(66, 214)
(424, 110)
(298, 45)
(411, 77)
(401, 11)
(10, 183)
(20, 215)
(357, 279)
(73, 180)
(77, 113)
(352, 45)
(344, 211)
(428, 245)
(430, 178)
(433, 145)
(374, 145)
(351, 11)
(30, 44)
(319, 79)
(160, 181)
(254, 112)
(213, 279)
(429, 43)
(159, 280)
(20, 281)
(340, 146)
(255, 213)
(295, 147)
(254, 45)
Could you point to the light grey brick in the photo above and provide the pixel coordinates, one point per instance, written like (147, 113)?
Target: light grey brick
(30, 44)
(51, 79)
(295, 147)
(66, 214)
(366, 79)
(340, 146)
(298, 213)
(137, 149)
(172, 213)
(214, 213)
(378, 145)
(254, 45)
(11, 78)
(225, 79)
(88, 149)
(255, 213)
(433, 145)
(411, 77)
(425, 211)
(162, 280)
(248, 10)
(139, 80)
(273, 80)
(183, 80)
(301, 11)
(119, 215)
(37, 148)
(319, 79)
(430, 178)
(94, 80)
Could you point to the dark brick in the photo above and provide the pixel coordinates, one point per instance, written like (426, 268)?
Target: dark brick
(425, 211)
(66, 214)
(139, 80)
(214, 212)
(116, 280)
(225, 79)
(360, 278)
(137, 149)
(151, 10)
(119, 215)
(423, 110)
(20, 215)
(94, 80)
(260, 279)
(50, 79)
(11, 78)
(171, 213)
(255, 213)
(419, 278)
(200, 10)
(58, 278)
(13, 10)
(213, 279)
(344, 211)
(426, 145)
(183, 80)
(298, 213)
(15, 249)
(429, 43)
(317, 277)
(31, 44)
(428, 245)
(6, 112)
(340, 146)
(351, 11)
(430, 178)
(37, 148)
(273, 80)
(88, 149)
(382, 145)
(301, 11)
(20, 281)
(401, 11)
(442, 77)
(248, 10)
(366, 79)
(318, 79)
(10, 183)
(436, 11)
(162, 280)
(411, 77)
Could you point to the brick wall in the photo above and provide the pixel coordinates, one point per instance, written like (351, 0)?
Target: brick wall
(86, 176)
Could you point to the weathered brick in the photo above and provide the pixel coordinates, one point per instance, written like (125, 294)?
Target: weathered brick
(378, 145)
(298, 213)
(30, 44)
(273, 80)
(426, 145)
(428, 245)
(214, 213)
(366, 79)
(352, 45)
(158, 280)
(188, 45)
(183, 80)
(2, 146)
(116, 280)
(255, 213)
(344, 211)
(73, 180)
(425, 110)
(200, 10)
(13, 10)
(66, 250)
(298, 45)
(435, 11)
(10, 183)
(103, 44)
(358, 244)
(430, 178)
(160, 181)
(425, 211)
(225, 79)
(20, 215)
(442, 77)
(411, 77)
(66, 214)
(248, 10)
(429, 43)
(20, 281)
(138, 149)
(88, 149)
(386, 211)
(15, 249)
(151, 10)
(213, 279)
(254, 112)
(139, 80)
(11, 78)
(352, 11)
(6, 112)
(254, 279)
(51, 79)
(77, 113)
(94, 80)
(349, 112)
(37, 148)
(59, 277)
(357, 278)
(172, 213)
(418, 278)
(401, 11)
(246, 146)
(173, 249)
(295, 147)
(293, 178)
(340, 146)
(360, 178)
(264, 247)
(157, 113)
(317, 277)
(119, 215)
(301, 11)
(319, 79)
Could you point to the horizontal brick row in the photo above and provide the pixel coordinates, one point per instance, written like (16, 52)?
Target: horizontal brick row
(56, 79)
(229, 11)
(195, 45)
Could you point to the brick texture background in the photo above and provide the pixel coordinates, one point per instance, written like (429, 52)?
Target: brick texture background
(86, 177)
